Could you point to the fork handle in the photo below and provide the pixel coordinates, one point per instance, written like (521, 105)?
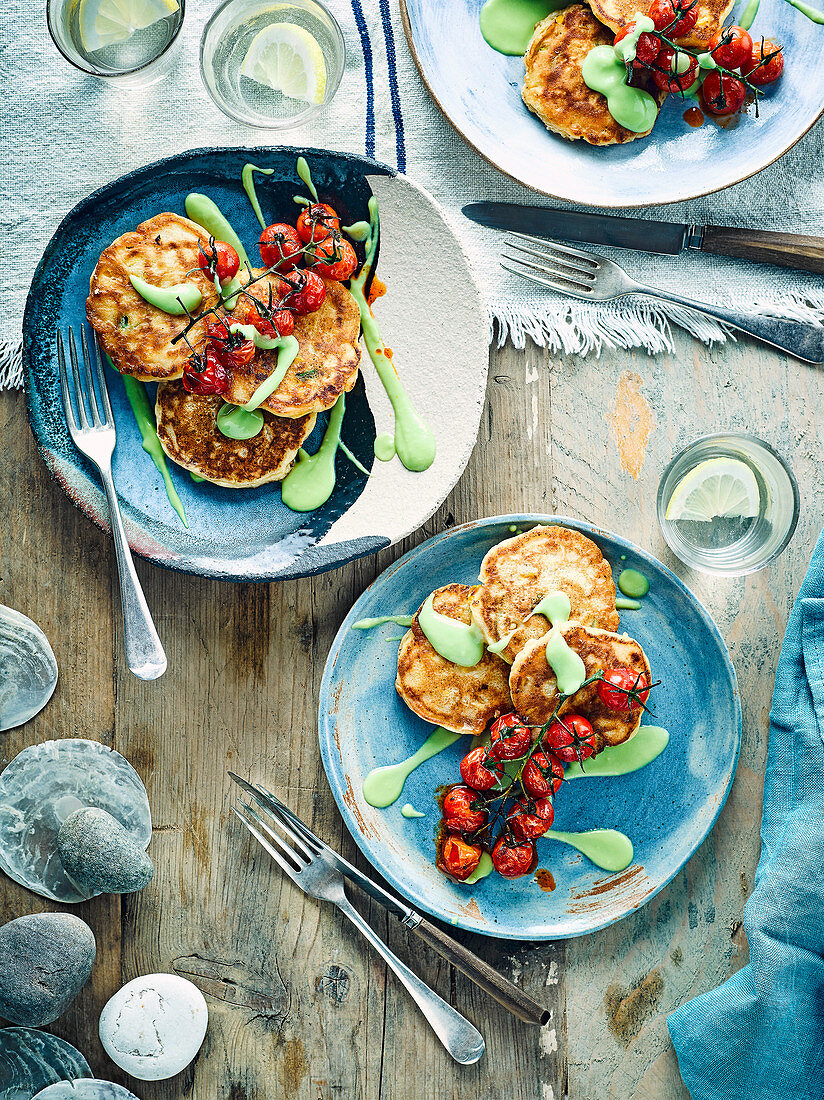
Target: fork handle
(463, 1041)
(144, 653)
(504, 991)
(801, 340)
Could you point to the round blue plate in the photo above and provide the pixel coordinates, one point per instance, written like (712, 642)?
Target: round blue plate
(479, 92)
(250, 534)
(667, 808)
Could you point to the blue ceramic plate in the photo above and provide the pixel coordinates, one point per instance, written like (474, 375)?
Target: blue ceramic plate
(479, 92)
(667, 808)
(249, 534)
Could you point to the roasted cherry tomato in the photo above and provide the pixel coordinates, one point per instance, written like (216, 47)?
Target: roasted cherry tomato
(676, 17)
(543, 774)
(730, 47)
(530, 818)
(459, 812)
(647, 48)
(280, 246)
(512, 858)
(231, 348)
(302, 291)
(623, 688)
(722, 94)
(571, 738)
(458, 858)
(281, 323)
(205, 374)
(481, 771)
(317, 221)
(333, 258)
(219, 258)
(765, 63)
(511, 739)
(675, 71)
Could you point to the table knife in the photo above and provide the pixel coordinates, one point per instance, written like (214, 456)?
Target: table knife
(665, 238)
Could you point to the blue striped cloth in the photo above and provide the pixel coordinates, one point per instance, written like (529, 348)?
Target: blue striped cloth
(760, 1036)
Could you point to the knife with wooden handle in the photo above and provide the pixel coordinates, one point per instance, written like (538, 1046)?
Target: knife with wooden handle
(795, 250)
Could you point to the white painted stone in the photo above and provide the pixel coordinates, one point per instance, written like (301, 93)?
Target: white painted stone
(154, 1026)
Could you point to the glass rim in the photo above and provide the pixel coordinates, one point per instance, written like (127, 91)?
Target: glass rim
(312, 108)
(51, 4)
(713, 437)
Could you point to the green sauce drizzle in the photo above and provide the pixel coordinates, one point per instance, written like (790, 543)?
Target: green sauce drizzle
(812, 13)
(607, 848)
(484, 868)
(623, 604)
(383, 786)
(248, 180)
(508, 25)
(196, 477)
(288, 348)
(706, 61)
(604, 70)
(367, 624)
(306, 176)
(748, 14)
(384, 448)
(139, 401)
(206, 214)
(235, 422)
(499, 646)
(310, 482)
(460, 643)
(175, 300)
(633, 584)
(555, 606)
(643, 747)
(356, 462)
(409, 810)
(569, 669)
(358, 231)
(414, 441)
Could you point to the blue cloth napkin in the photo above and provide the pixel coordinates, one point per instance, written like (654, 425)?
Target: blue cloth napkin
(761, 1034)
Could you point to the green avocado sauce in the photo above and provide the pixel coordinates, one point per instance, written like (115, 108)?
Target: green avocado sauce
(647, 743)
(460, 643)
(383, 786)
(633, 584)
(178, 300)
(144, 417)
(508, 25)
(367, 624)
(202, 210)
(311, 481)
(812, 13)
(604, 70)
(606, 848)
(248, 180)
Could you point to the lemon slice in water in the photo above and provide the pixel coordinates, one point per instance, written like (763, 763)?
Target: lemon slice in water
(288, 59)
(106, 22)
(716, 488)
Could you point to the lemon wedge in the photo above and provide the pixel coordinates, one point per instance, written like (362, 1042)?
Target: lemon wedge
(716, 488)
(287, 58)
(106, 22)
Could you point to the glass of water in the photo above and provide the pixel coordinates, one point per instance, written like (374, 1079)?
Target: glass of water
(728, 504)
(272, 65)
(127, 42)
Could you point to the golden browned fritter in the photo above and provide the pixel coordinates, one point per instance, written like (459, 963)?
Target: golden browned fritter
(518, 572)
(711, 14)
(189, 436)
(535, 691)
(464, 700)
(136, 335)
(326, 365)
(554, 89)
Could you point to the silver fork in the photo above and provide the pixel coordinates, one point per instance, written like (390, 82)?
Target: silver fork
(597, 279)
(315, 874)
(93, 433)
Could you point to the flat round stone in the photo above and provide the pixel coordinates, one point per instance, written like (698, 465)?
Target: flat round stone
(99, 855)
(46, 960)
(88, 1089)
(154, 1026)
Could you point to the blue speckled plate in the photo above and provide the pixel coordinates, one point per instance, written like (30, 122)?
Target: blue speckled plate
(249, 534)
(667, 808)
(479, 92)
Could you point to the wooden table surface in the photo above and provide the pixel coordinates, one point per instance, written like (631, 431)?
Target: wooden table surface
(300, 1007)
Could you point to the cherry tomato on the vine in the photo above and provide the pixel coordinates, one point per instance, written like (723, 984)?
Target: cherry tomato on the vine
(530, 818)
(511, 858)
(676, 17)
(765, 63)
(623, 688)
(543, 774)
(647, 48)
(481, 771)
(220, 258)
(511, 739)
(722, 94)
(460, 815)
(680, 71)
(333, 258)
(280, 246)
(302, 291)
(281, 323)
(205, 374)
(458, 858)
(317, 221)
(231, 348)
(571, 738)
(730, 47)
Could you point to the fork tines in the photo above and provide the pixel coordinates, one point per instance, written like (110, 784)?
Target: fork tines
(93, 411)
(551, 264)
(291, 858)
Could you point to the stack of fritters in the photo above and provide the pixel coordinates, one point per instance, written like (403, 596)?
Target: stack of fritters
(515, 575)
(138, 338)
